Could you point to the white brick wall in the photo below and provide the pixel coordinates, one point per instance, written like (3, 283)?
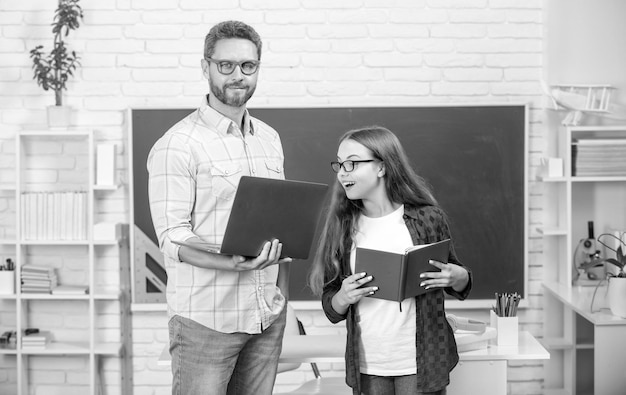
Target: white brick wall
(143, 53)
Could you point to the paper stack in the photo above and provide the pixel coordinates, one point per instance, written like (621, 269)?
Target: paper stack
(35, 341)
(599, 157)
(38, 279)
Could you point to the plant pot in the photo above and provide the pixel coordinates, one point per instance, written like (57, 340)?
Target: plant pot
(617, 296)
(59, 116)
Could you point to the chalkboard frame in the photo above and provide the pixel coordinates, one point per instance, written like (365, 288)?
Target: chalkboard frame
(309, 302)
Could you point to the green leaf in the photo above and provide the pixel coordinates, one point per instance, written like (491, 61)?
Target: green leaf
(52, 70)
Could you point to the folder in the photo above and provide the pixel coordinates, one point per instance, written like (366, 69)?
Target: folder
(397, 276)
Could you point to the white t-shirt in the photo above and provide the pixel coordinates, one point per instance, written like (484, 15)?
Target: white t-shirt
(387, 344)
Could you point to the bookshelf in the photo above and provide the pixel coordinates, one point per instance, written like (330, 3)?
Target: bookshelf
(579, 330)
(51, 208)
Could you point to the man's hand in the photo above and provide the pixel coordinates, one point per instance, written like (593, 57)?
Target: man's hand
(270, 255)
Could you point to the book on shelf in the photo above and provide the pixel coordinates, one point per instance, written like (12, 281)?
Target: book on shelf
(30, 290)
(39, 284)
(70, 290)
(36, 341)
(397, 276)
(37, 279)
(599, 157)
(54, 215)
(37, 269)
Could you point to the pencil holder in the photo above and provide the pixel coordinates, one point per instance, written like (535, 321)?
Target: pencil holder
(506, 328)
(7, 282)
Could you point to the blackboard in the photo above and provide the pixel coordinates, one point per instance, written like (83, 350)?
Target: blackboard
(474, 157)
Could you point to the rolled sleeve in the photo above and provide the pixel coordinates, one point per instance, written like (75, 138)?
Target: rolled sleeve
(327, 305)
(171, 187)
(330, 290)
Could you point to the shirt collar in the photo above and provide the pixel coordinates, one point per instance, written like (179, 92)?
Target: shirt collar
(223, 124)
(410, 211)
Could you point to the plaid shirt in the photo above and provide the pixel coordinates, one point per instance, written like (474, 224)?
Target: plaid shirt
(194, 170)
(434, 338)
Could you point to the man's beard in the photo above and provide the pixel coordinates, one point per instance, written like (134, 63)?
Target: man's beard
(233, 100)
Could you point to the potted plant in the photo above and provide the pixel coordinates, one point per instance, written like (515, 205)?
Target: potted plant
(617, 279)
(53, 70)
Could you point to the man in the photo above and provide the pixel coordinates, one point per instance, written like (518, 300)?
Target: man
(226, 313)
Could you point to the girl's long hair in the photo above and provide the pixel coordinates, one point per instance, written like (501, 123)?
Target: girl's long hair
(402, 185)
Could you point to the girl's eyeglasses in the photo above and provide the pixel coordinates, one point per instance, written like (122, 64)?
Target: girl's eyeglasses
(348, 165)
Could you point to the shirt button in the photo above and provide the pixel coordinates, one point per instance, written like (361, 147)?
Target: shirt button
(260, 288)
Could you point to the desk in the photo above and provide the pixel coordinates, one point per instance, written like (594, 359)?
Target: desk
(483, 370)
(589, 348)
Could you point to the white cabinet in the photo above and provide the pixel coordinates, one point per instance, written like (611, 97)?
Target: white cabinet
(50, 209)
(584, 357)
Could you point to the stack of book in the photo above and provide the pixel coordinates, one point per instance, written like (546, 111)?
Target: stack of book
(38, 279)
(35, 341)
(599, 157)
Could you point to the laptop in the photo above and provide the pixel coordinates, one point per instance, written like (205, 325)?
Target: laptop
(265, 209)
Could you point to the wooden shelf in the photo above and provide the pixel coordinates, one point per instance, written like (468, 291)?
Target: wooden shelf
(79, 313)
(105, 187)
(579, 300)
(552, 231)
(547, 391)
(54, 242)
(584, 346)
(578, 325)
(87, 296)
(75, 348)
(582, 179)
(552, 179)
(557, 343)
(598, 179)
(55, 348)
(8, 351)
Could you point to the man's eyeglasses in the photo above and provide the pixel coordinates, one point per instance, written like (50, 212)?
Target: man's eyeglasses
(348, 165)
(226, 67)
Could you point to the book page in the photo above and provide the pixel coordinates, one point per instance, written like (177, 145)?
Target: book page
(420, 246)
(415, 247)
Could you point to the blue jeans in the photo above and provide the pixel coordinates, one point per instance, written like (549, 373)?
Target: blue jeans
(205, 361)
(392, 385)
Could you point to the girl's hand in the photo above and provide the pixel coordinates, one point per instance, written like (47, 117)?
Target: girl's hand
(451, 275)
(351, 291)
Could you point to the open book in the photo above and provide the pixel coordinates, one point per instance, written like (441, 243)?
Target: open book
(397, 276)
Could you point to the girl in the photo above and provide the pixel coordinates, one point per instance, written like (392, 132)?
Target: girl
(380, 203)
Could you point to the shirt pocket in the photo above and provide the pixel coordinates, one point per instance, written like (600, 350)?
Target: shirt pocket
(274, 168)
(224, 180)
